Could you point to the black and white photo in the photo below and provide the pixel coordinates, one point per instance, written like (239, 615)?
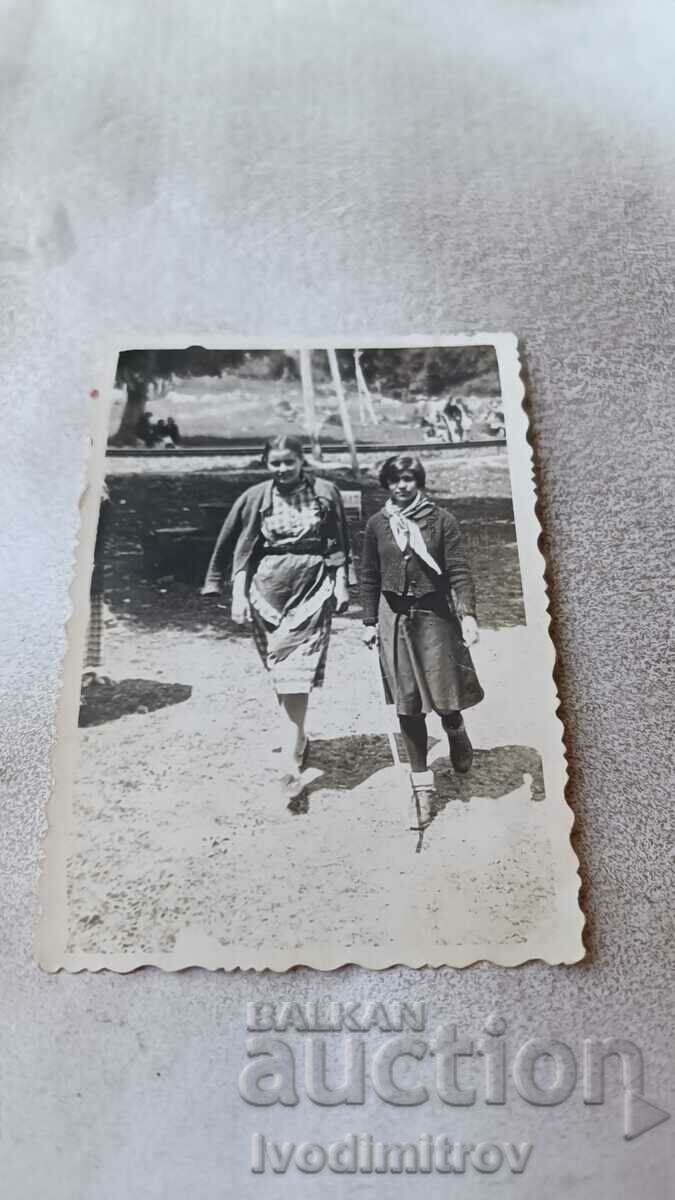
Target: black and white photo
(309, 713)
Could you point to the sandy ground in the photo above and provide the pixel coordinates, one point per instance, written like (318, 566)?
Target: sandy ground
(178, 821)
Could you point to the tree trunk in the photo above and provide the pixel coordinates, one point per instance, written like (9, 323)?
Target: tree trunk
(137, 396)
(365, 398)
(309, 403)
(344, 411)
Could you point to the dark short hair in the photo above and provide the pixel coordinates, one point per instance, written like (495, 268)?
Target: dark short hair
(284, 441)
(392, 469)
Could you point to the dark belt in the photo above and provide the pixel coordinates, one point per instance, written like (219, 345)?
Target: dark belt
(434, 602)
(295, 548)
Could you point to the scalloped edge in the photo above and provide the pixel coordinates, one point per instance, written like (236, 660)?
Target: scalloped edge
(195, 948)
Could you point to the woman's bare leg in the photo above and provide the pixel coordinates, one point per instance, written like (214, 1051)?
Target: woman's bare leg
(294, 707)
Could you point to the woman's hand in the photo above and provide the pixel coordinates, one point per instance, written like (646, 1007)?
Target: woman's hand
(470, 631)
(241, 609)
(370, 636)
(341, 592)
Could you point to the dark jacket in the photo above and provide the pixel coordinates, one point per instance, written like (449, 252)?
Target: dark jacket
(384, 568)
(240, 536)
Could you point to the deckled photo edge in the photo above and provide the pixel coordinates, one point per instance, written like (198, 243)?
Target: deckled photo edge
(50, 922)
(50, 933)
(534, 570)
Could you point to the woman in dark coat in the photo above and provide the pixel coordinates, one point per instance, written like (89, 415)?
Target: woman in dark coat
(419, 605)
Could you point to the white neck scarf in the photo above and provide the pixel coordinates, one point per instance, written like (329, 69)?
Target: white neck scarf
(407, 532)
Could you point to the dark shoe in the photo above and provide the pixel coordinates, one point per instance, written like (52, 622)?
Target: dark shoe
(461, 750)
(299, 805)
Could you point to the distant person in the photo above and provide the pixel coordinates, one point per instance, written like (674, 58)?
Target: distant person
(288, 541)
(166, 433)
(145, 431)
(173, 431)
(454, 419)
(495, 424)
(419, 607)
(442, 419)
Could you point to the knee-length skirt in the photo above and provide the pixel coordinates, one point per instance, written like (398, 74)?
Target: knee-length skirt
(291, 598)
(425, 665)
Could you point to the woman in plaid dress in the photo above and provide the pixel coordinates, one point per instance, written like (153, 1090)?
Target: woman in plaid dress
(290, 557)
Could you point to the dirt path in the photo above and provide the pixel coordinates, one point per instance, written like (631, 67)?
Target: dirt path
(179, 822)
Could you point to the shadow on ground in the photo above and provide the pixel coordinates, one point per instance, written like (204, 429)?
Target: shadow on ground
(494, 773)
(341, 764)
(107, 700)
(346, 762)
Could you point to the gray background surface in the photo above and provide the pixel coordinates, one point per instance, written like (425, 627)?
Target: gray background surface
(299, 167)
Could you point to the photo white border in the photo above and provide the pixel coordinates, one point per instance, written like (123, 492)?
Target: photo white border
(561, 939)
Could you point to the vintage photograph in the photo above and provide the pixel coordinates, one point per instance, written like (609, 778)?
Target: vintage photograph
(308, 713)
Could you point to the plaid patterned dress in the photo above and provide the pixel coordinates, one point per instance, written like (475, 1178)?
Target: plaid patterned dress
(291, 593)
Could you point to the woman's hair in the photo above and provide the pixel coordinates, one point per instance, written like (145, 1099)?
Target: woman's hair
(284, 441)
(393, 468)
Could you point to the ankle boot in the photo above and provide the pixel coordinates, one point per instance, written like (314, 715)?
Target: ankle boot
(461, 750)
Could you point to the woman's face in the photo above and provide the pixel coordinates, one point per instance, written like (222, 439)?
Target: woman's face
(404, 489)
(285, 467)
